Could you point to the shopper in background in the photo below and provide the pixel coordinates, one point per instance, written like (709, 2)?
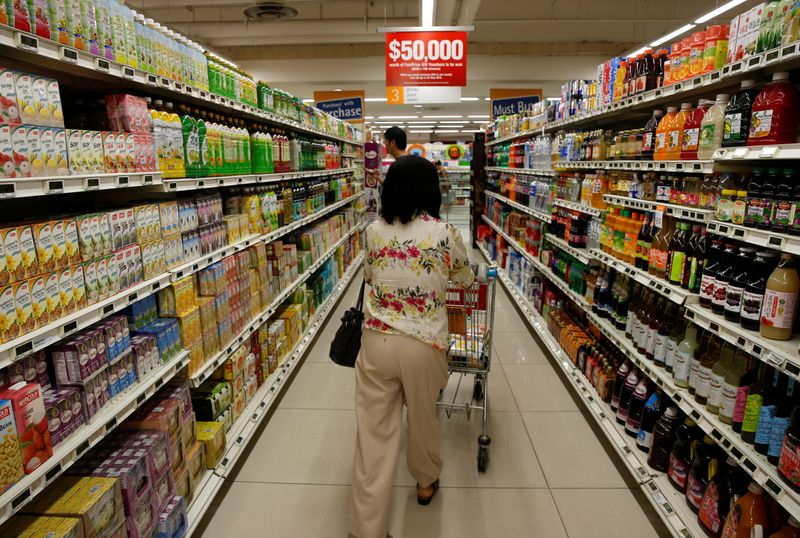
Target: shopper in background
(444, 185)
(411, 256)
(395, 142)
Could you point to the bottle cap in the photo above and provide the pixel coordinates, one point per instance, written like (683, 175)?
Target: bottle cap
(671, 412)
(731, 462)
(780, 75)
(748, 83)
(793, 522)
(755, 488)
(722, 97)
(686, 106)
(671, 109)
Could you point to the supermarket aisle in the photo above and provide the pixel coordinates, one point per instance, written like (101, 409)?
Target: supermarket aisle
(548, 474)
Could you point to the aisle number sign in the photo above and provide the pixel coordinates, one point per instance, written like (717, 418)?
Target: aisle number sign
(507, 101)
(345, 105)
(409, 95)
(426, 59)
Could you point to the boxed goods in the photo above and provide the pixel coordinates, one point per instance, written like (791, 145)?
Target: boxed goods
(11, 468)
(163, 489)
(172, 519)
(64, 414)
(45, 527)
(27, 406)
(156, 446)
(183, 485)
(212, 435)
(163, 417)
(195, 462)
(211, 399)
(128, 466)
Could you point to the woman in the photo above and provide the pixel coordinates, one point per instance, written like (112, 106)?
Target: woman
(411, 256)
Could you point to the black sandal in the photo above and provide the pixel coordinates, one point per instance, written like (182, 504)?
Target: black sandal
(425, 501)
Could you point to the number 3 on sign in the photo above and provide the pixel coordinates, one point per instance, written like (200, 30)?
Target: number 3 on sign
(395, 95)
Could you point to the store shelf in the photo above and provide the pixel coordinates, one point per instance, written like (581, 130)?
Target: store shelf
(246, 426)
(44, 186)
(660, 286)
(509, 239)
(523, 171)
(677, 211)
(577, 206)
(515, 136)
(519, 207)
(198, 377)
(780, 354)
(762, 238)
(581, 254)
(697, 167)
(774, 152)
(193, 184)
(77, 444)
(50, 55)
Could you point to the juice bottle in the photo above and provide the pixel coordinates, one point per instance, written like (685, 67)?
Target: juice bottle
(775, 113)
(686, 56)
(671, 74)
(723, 278)
(687, 437)
(690, 141)
(782, 211)
(675, 136)
(649, 134)
(745, 384)
(755, 399)
(716, 47)
(718, 499)
(653, 409)
(790, 530)
(646, 76)
(677, 253)
(737, 115)
(663, 437)
(712, 128)
(707, 362)
(620, 84)
(789, 461)
(697, 53)
(769, 407)
(704, 467)
(191, 145)
(663, 130)
(742, 270)
(202, 141)
(718, 372)
(748, 514)
(708, 281)
(636, 407)
(661, 67)
(780, 300)
(731, 387)
(626, 393)
(683, 357)
(780, 422)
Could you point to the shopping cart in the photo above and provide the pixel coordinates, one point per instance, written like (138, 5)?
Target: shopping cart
(470, 313)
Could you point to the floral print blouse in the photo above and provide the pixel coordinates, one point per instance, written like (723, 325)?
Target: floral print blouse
(408, 267)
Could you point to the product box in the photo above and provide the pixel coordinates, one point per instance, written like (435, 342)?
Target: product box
(9, 110)
(172, 520)
(156, 446)
(38, 295)
(27, 407)
(61, 419)
(7, 160)
(212, 435)
(28, 251)
(183, 484)
(747, 33)
(164, 417)
(26, 102)
(11, 468)
(19, 146)
(195, 461)
(66, 291)
(59, 239)
(129, 466)
(24, 306)
(53, 295)
(211, 399)
(72, 238)
(45, 527)
(142, 522)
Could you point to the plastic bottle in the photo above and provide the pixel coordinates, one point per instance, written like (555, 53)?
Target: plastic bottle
(753, 295)
(684, 355)
(646, 76)
(718, 499)
(191, 146)
(780, 422)
(691, 130)
(652, 413)
(625, 395)
(675, 136)
(742, 270)
(780, 300)
(748, 515)
(712, 128)
(704, 467)
(697, 53)
(769, 407)
(730, 388)
(790, 530)
(649, 134)
(789, 461)
(737, 115)
(745, 384)
(636, 407)
(687, 437)
(663, 438)
(775, 113)
(665, 126)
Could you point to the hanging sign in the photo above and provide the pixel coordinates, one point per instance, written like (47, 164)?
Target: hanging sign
(345, 105)
(426, 59)
(513, 100)
(409, 95)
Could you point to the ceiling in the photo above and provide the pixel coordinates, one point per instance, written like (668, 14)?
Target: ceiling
(334, 44)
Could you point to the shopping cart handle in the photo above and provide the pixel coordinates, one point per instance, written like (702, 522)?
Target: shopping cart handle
(485, 272)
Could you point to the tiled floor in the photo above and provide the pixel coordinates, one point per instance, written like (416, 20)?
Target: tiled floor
(549, 473)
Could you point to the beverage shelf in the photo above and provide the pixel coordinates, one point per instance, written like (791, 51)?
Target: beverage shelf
(677, 211)
(523, 171)
(71, 449)
(200, 183)
(697, 167)
(43, 186)
(577, 206)
(757, 153)
(50, 55)
(762, 238)
(669, 504)
(246, 426)
(198, 377)
(780, 354)
(581, 254)
(511, 241)
(670, 291)
(519, 207)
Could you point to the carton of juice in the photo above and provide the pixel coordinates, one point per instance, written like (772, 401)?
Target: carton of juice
(119, 146)
(102, 278)
(40, 101)
(60, 152)
(77, 161)
(55, 110)
(87, 246)
(59, 20)
(40, 18)
(19, 144)
(31, 421)
(59, 243)
(26, 101)
(43, 239)
(47, 149)
(97, 235)
(72, 241)
(105, 233)
(35, 156)
(9, 109)
(87, 155)
(110, 152)
(20, 15)
(8, 167)
(79, 287)
(122, 269)
(77, 23)
(8, 315)
(11, 468)
(90, 275)
(38, 289)
(27, 248)
(113, 275)
(66, 291)
(131, 162)
(53, 295)
(24, 305)
(97, 157)
(747, 34)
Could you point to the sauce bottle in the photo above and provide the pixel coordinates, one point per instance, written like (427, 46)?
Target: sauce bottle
(775, 113)
(769, 407)
(723, 278)
(737, 115)
(678, 249)
(754, 211)
(663, 437)
(790, 530)
(687, 437)
(780, 423)
(684, 355)
(789, 461)
(718, 499)
(653, 409)
(780, 300)
(704, 467)
(712, 128)
(747, 515)
(738, 282)
(753, 295)
(636, 407)
(718, 372)
(691, 130)
(730, 388)
(782, 210)
(665, 126)
(675, 137)
(712, 266)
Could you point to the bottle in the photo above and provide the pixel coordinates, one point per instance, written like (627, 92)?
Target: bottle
(690, 141)
(768, 198)
(659, 253)
(782, 211)
(663, 437)
(743, 387)
(780, 300)
(643, 244)
(748, 514)
(780, 423)
(718, 373)
(737, 115)
(694, 361)
(636, 407)
(775, 112)
(712, 127)
(728, 191)
(739, 205)
(652, 328)
(723, 278)
(720, 494)
(665, 324)
(707, 362)
(675, 338)
(695, 253)
(661, 60)
(675, 135)
(730, 387)
(742, 269)
(704, 467)
(625, 395)
(708, 280)
(665, 127)
(683, 357)
(789, 461)
(649, 135)
(646, 76)
(619, 381)
(682, 454)
(678, 249)
(769, 406)
(754, 212)
(790, 530)
(652, 412)
(753, 295)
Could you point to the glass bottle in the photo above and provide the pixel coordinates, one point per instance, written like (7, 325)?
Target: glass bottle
(686, 439)
(684, 355)
(769, 406)
(730, 387)
(626, 394)
(649, 135)
(753, 295)
(723, 278)
(742, 269)
(780, 422)
(718, 373)
(704, 467)
(676, 336)
(663, 438)
(780, 300)
(711, 267)
(678, 248)
(744, 386)
(768, 198)
(707, 362)
(636, 407)
(754, 211)
(652, 412)
(782, 211)
(665, 325)
(694, 361)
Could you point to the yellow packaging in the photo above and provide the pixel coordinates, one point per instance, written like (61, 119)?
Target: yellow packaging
(43, 240)
(237, 406)
(45, 527)
(22, 301)
(59, 244)
(80, 300)
(87, 246)
(212, 435)
(191, 332)
(54, 308)
(96, 157)
(75, 151)
(5, 274)
(38, 288)
(183, 485)
(10, 455)
(235, 364)
(27, 248)
(66, 291)
(8, 315)
(196, 358)
(72, 241)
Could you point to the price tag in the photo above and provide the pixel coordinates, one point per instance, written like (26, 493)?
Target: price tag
(201, 184)
(122, 181)
(152, 79)
(55, 186)
(768, 152)
(739, 153)
(26, 42)
(179, 86)
(776, 359)
(128, 72)
(102, 65)
(91, 184)
(68, 55)
(659, 214)
(7, 190)
(165, 82)
(147, 179)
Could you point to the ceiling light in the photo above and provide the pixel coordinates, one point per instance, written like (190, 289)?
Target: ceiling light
(487, 98)
(441, 117)
(676, 33)
(375, 99)
(480, 116)
(420, 131)
(447, 131)
(417, 106)
(452, 121)
(427, 12)
(637, 52)
(470, 98)
(397, 117)
(472, 130)
(370, 117)
(719, 11)
(308, 100)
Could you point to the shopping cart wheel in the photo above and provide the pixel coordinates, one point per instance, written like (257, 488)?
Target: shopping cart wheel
(477, 390)
(483, 458)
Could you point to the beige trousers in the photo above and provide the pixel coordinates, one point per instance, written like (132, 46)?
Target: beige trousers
(389, 368)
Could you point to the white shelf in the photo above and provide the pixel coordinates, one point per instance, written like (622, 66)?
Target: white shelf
(198, 377)
(193, 184)
(762, 238)
(244, 429)
(523, 171)
(677, 211)
(658, 285)
(577, 206)
(581, 254)
(697, 167)
(758, 153)
(71, 449)
(43, 186)
(519, 207)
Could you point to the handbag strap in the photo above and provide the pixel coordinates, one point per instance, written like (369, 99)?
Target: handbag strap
(360, 302)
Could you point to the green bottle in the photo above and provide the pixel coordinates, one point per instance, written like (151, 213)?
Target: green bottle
(202, 142)
(191, 145)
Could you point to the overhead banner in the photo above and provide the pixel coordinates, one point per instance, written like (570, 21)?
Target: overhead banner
(507, 101)
(408, 95)
(426, 59)
(345, 105)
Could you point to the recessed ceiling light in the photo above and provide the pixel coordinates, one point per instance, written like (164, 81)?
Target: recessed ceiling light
(441, 117)
(375, 99)
(308, 100)
(452, 121)
(470, 98)
(719, 11)
(447, 131)
(417, 106)
(420, 131)
(398, 117)
(480, 116)
(487, 98)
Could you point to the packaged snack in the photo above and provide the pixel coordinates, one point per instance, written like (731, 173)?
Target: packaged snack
(43, 240)
(76, 151)
(35, 155)
(212, 435)
(31, 422)
(9, 109)
(19, 145)
(40, 18)
(11, 468)
(7, 162)
(172, 519)
(59, 243)
(80, 299)
(26, 103)
(164, 417)
(27, 248)
(97, 157)
(38, 291)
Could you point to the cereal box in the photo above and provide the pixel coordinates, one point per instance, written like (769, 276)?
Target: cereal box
(26, 103)
(8, 166)
(43, 239)
(27, 247)
(9, 110)
(72, 241)
(31, 422)
(19, 145)
(11, 468)
(22, 301)
(53, 294)
(80, 299)
(38, 289)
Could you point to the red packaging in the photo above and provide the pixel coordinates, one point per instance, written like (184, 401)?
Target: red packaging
(31, 420)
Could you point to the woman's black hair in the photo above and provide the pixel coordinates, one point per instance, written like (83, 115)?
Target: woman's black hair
(411, 186)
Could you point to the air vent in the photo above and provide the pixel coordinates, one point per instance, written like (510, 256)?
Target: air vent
(270, 11)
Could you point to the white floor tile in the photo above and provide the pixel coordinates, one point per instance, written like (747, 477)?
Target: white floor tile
(518, 348)
(570, 453)
(600, 513)
(537, 387)
(321, 386)
(500, 396)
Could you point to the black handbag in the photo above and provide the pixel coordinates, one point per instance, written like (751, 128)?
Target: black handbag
(347, 342)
